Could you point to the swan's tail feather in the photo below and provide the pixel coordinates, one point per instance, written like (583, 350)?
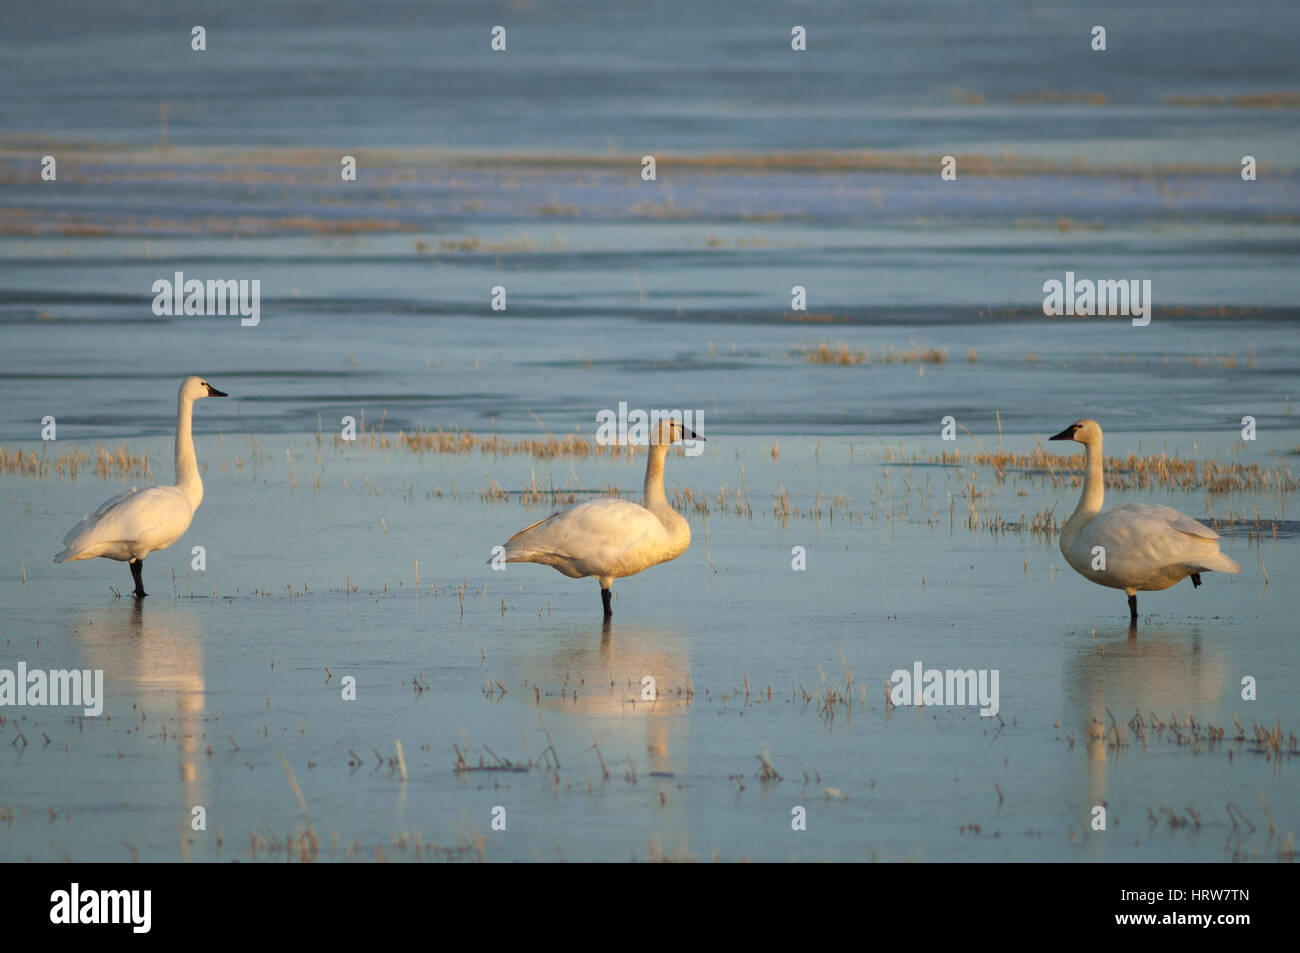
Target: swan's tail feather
(563, 562)
(514, 554)
(510, 554)
(529, 555)
(1218, 562)
(71, 554)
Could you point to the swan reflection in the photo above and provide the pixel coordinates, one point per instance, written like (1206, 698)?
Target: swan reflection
(153, 655)
(603, 674)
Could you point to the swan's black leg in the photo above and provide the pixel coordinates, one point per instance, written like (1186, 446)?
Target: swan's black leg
(604, 597)
(1196, 580)
(1133, 609)
(136, 566)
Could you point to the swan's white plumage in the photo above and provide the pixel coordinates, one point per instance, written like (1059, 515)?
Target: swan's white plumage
(611, 538)
(1147, 547)
(134, 524)
(130, 525)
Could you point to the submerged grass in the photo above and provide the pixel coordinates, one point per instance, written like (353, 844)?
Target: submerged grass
(104, 463)
(1133, 471)
(843, 354)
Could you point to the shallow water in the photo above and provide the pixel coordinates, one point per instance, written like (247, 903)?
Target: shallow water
(774, 170)
(214, 677)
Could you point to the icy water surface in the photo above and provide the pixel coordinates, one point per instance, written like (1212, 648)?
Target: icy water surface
(682, 76)
(215, 677)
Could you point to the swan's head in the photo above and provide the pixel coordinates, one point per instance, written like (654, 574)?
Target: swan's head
(672, 431)
(195, 388)
(1085, 431)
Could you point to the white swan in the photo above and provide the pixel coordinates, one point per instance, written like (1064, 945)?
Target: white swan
(133, 524)
(1143, 546)
(610, 538)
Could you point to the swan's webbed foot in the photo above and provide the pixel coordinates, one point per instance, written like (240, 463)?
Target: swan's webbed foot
(137, 565)
(1196, 580)
(1133, 610)
(605, 596)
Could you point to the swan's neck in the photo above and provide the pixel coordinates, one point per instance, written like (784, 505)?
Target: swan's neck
(679, 531)
(187, 465)
(1094, 489)
(655, 500)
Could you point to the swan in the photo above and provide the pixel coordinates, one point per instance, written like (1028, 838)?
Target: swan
(1146, 546)
(134, 524)
(610, 538)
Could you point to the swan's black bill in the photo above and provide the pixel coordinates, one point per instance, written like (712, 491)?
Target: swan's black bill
(1066, 434)
(213, 392)
(688, 434)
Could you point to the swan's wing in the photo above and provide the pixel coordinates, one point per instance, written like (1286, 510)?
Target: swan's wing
(1143, 538)
(130, 516)
(530, 526)
(113, 501)
(1175, 520)
(88, 523)
(590, 531)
